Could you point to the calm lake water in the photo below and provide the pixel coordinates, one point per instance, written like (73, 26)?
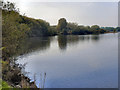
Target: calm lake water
(81, 61)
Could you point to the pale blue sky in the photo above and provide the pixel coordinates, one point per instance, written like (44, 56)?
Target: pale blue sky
(100, 12)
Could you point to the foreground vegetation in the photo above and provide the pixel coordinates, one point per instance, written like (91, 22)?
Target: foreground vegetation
(16, 28)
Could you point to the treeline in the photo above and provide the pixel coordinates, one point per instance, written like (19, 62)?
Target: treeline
(67, 28)
(37, 27)
(111, 29)
(16, 27)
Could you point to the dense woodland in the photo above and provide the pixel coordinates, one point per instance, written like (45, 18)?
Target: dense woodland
(16, 28)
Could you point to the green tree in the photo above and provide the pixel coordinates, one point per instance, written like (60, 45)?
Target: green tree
(118, 29)
(95, 29)
(62, 23)
(12, 32)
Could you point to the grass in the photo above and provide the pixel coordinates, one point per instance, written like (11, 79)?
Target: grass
(5, 85)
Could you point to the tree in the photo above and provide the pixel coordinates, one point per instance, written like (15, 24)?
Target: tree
(9, 6)
(118, 29)
(95, 29)
(72, 26)
(62, 23)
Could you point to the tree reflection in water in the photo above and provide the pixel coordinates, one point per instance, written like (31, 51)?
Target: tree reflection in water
(43, 43)
(64, 41)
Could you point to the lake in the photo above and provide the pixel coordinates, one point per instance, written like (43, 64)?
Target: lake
(73, 61)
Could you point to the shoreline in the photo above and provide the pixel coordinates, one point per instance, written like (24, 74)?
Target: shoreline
(16, 78)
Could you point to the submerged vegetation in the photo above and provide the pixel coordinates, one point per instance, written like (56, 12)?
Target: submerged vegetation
(16, 28)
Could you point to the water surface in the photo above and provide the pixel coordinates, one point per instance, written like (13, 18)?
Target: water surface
(81, 61)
